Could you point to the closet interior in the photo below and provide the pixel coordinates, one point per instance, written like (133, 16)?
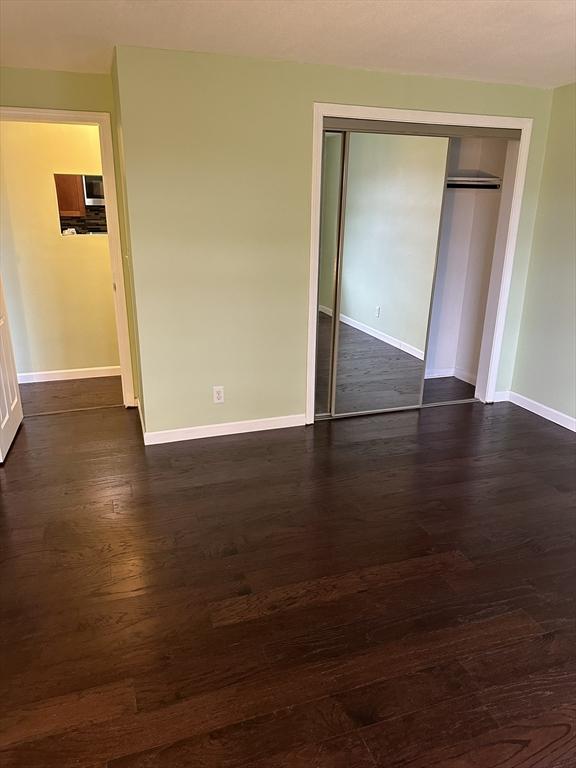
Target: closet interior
(410, 219)
(471, 208)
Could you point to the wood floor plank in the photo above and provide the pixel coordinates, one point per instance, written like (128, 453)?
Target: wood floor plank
(250, 740)
(227, 706)
(518, 661)
(406, 645)
(63, 713)
(420, 690)
(343, 752)
(73, 394)
(327, 589)
(537, 693)
(330, 673)
(545, 741)
(398, 741)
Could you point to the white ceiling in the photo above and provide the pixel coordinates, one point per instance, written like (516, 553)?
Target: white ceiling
(531, 42)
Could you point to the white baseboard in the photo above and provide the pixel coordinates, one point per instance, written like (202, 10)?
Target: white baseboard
(325, 310)
(414, 351)
(467, 376)
(543, 410)
(459, 373)
(439, 373)
(69, 373)
(569, 422)
(229, 428)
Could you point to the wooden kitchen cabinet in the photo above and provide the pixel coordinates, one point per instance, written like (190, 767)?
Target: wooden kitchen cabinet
(70, 193)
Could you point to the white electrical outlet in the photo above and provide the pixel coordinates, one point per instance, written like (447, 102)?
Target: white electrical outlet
(218, 394)
(378, 311)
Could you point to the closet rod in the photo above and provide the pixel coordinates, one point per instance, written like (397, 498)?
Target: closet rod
(473, 182)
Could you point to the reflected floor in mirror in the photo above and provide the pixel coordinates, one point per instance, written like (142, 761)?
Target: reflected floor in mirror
(323, 363)
(375, 375)
(372, 374)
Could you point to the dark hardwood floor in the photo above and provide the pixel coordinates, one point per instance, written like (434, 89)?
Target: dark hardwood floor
(373, 375)
(71, 395)
(446, 389)
(387, 591)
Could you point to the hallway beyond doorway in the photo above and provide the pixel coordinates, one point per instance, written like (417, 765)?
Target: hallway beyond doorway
(41, 398)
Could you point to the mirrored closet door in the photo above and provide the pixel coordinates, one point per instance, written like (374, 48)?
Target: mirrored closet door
(411, 215)
(394, 191)
(380, 217)
(330, 228)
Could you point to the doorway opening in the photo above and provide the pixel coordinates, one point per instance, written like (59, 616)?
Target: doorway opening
(62, 272)
(414, 226)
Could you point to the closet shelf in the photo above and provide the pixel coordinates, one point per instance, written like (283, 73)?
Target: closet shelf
(473, 180)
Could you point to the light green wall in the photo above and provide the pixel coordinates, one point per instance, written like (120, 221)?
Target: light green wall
(218, 157)
(58, 289)
(394, 194)
(55, 90)
(546, 362)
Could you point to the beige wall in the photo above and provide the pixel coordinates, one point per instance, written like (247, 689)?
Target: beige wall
(221, 294)
(58, 289)
(221, 148)
(55, 90)
(546, 360)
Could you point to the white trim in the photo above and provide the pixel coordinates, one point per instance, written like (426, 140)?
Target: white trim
(354, 111)
(102, 120)
(502, 263)
(325, 310)
(545, 411)
(439, 373)
(523, 124)
(230, 428)
(68, 373)
(318, 119)
(459, 373)
(381, 336)
(467, 376)
(141, 415)
(550, 414)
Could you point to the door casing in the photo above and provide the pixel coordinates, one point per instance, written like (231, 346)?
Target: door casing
(102, 121)
(504, 253)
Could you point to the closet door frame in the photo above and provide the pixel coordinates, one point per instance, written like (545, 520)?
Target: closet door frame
(338, 271)
(503, 261)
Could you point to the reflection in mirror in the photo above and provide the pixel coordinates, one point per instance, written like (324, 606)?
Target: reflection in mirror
(394, 193)
(329, 229)
(81, 205)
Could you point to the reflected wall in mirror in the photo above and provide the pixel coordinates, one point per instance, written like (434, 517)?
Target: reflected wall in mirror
(394, 192)
(332, 157)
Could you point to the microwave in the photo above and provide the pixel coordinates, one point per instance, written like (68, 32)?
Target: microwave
(93, 190)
